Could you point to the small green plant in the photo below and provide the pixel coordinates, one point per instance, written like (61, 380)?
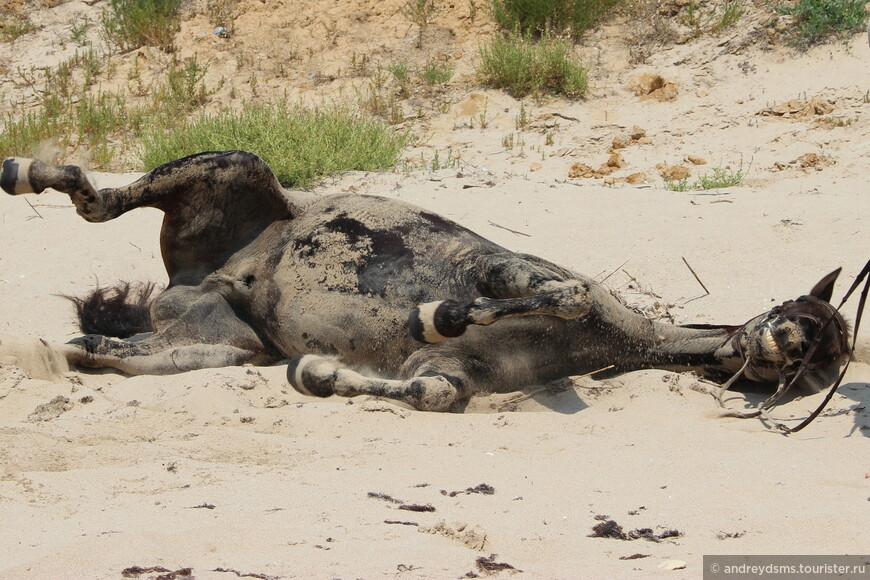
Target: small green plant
(540, 17)
(23, 132)
(402, 74)
(817, 21)
(400, 71)
(835, 122)
(183, 89)
(129, 24)
(714, 20)
(472, 10)
(298, 144)
(512, 140)
(223, 13)
(97, 116)
(521, 122)
(481, 117)
(422, 13)
(90, 63)
(729, 14)
(522, 66)
(243, 61)
(137, 86)
(377, 100)
(719, 178)
(13, 28)
(434, 73)
(79, 31)
(680, 185)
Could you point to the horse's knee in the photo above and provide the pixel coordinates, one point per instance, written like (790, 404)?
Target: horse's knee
(430, 393)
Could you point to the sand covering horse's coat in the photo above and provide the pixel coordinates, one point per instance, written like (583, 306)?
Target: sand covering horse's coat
(259, 274)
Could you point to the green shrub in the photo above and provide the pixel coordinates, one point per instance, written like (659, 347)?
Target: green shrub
(538, 17)
(719, 178)
(298, 144)
(129, 24)
(819, 20)
(13, 27)
(434, 73)
(183, 89)
(522, 66)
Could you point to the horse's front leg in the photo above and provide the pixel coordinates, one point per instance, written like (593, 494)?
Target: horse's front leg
(512, 285)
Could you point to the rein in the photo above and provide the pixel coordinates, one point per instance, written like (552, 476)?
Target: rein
(786, 383)
(862, 301)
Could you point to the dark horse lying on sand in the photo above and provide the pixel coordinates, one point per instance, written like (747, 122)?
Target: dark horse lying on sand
(370, 295)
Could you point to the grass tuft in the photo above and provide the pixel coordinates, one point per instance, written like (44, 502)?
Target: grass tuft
(129, 24)
(434, 73)
(523, 66)
(13, 27)
(719, 178)
(298, 144)
(817, 21)
(540, 17)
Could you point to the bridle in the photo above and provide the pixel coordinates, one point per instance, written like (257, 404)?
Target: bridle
(794, 369)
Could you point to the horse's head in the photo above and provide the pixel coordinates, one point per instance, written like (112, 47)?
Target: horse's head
(808, 330)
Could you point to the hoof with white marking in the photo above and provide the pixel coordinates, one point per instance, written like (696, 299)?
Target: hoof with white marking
(15, 176)
(312, 375)
(437, 321)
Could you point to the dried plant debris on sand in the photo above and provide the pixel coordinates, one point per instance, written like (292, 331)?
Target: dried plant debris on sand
(610, 529)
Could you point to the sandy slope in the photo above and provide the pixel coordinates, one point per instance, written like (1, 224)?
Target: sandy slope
(231, 469)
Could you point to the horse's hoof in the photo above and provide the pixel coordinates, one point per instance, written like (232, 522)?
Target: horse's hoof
(437, 321)
(14, 176)
(312, 375)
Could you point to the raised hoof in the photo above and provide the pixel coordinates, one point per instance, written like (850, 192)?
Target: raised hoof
(14, 176)
(312, 375)
(437, 321)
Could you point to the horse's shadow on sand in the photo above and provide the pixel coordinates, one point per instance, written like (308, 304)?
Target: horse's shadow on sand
(852, 399)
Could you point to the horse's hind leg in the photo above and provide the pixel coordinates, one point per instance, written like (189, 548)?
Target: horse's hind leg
(139, 359)
(437, 375)
(188, 336)
(433, 383)
(215, 203)
(222, 174)
(512, 285)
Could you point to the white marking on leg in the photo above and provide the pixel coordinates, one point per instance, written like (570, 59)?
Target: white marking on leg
(22, 181)
(427, 319)
(297, 376)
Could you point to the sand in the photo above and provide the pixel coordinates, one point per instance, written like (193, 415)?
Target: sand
(230, 472)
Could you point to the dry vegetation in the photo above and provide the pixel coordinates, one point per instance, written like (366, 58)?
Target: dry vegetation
(105, 83)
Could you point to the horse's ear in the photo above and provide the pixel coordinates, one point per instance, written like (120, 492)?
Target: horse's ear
(824, 288)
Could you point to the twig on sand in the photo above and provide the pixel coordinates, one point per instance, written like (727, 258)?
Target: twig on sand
(34, 209)
(495, 225)
(613, 272)
(696, 276)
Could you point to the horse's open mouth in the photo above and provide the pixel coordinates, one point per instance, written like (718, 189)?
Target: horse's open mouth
(770, 342)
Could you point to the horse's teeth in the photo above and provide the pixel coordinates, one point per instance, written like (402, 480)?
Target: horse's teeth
(771, 343)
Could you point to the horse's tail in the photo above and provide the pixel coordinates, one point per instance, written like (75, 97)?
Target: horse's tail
(120, 311)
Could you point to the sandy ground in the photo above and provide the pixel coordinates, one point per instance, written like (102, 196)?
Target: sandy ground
(230, 472)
